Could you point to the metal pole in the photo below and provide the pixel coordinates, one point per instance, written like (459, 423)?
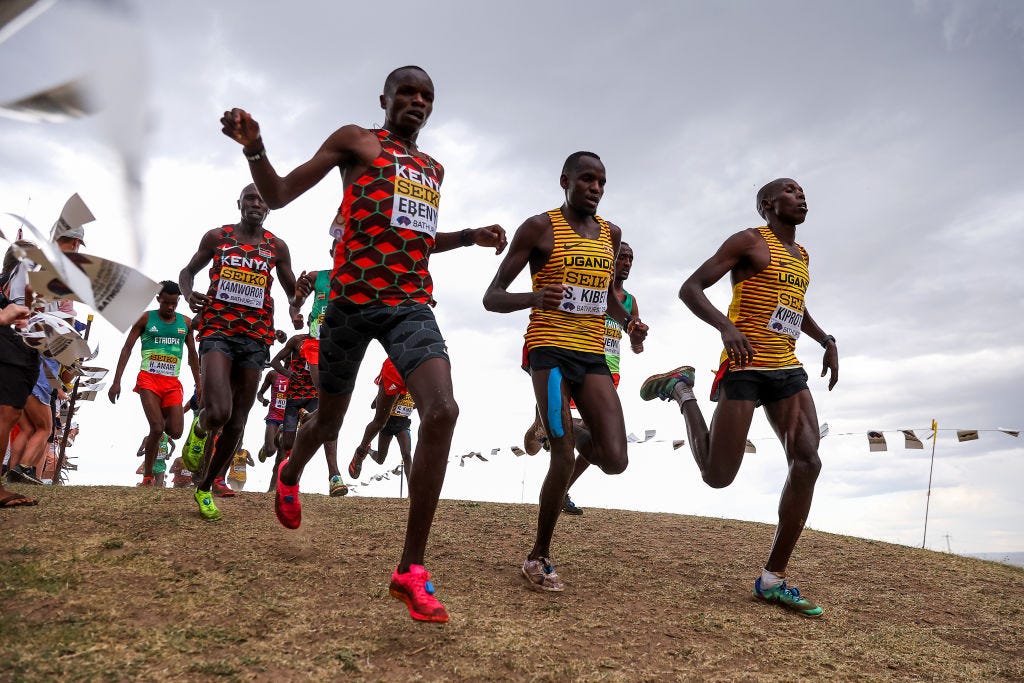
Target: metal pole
(71, 411)
(931, 468)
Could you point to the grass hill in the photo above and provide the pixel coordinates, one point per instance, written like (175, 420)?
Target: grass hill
(106, 583)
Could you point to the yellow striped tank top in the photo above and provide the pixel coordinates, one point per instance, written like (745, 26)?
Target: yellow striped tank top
(584, 266)
(769, 307)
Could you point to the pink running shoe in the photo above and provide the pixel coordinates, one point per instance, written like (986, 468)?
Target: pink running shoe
(286, 502)
(416, 590)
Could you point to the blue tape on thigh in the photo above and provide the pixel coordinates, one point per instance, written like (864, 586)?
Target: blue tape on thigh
(555, 403)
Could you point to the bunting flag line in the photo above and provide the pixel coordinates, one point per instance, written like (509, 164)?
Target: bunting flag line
(1011, 432)
(750, 448)
(677, 444)
(911, 441)
(823, 430)
(966, 435)
(876, 442)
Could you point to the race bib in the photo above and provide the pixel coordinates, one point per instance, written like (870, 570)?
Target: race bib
(242, 287)
(402, 411)
(786, 321)
(417, 197)
(280, 403)
(239, 468)
(612, 345)
(584, 300)
(160, 364)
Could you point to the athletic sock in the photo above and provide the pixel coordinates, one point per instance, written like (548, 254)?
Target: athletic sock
(682, 393)
(771, 579)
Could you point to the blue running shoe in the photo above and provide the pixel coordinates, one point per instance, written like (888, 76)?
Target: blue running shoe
(789, 598)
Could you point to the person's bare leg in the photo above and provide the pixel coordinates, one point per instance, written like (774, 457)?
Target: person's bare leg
(405, 446)
(39, 418)
(719, 451)
(155, 417)
(321, 428)
(244, 382)
(8, 418)
(331, 453)
(431, 387)
(795, 421)
(556, 481)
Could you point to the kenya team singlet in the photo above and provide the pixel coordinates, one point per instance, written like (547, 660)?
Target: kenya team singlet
(162, 344)
(300, 384)
(584, 266)
(387, 223)
(769, 307)
(240, 283)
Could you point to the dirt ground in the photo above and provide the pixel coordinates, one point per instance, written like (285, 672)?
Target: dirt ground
(128, 584)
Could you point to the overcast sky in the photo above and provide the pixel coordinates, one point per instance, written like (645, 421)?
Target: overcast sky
(900, 119)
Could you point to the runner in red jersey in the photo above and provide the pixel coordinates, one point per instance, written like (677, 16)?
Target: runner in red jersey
(294, 363)
(235, 330)
(278, 384)
(381, 289)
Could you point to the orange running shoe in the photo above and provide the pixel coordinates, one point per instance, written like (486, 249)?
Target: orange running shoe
(416, 590)
(221, 489)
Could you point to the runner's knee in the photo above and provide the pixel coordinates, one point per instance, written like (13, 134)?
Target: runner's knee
(440, 414)
(805, 468)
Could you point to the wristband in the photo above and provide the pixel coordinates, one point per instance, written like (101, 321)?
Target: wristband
(261, 154)
(626, 322)
(824, 342)
(466, 237)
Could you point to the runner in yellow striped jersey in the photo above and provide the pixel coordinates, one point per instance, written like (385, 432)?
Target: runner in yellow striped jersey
(571, 252)
(769, 273)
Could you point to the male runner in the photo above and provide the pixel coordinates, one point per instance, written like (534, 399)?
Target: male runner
(236, 329)
(390, 389)
(164, 335)
(612, 346)
(380, 289)
(571, 252)
(769, 276)
(278, 384)
(302, 377)
(399, 427)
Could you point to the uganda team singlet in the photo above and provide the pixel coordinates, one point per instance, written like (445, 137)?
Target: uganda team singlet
(403, 406)
(769, 307)
(240, 283)
(162, 344)
(584, 266)
(387, 223)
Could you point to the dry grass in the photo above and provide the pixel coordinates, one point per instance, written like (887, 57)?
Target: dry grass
(129, 584)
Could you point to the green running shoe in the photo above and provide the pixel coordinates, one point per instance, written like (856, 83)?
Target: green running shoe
(789, 598)
(660, 386)
(192, 453)
(207, 508)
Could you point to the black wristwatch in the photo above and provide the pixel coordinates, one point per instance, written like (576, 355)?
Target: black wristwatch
(466, 237)
(826, 340)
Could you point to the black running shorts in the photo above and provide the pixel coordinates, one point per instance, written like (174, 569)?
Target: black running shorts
(244, 352)
(574, 365)
(760, 386)
(408, 333)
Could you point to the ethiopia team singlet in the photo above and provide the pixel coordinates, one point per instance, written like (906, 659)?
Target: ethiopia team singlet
(162, 344)
(387, 223)
(240, 283)
(769, 307)
(584, 266)
(613, 336)
(321, 290)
